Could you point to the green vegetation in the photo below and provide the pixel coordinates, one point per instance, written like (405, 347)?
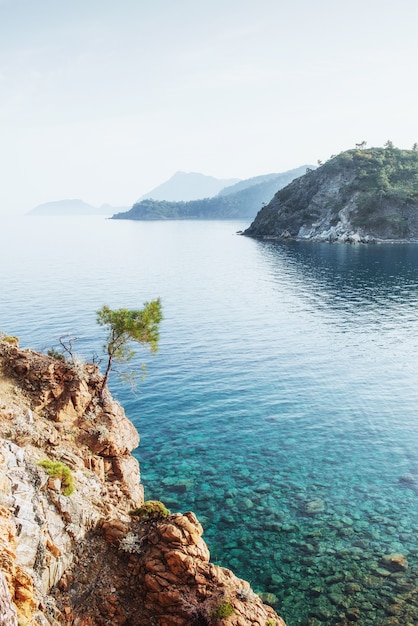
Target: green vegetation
(126, 326)
(11, 339)
(235, 202)
(383, 177)
(228, 207)
(53, 352)
(56, 469)
(151, 510)
(225, 609)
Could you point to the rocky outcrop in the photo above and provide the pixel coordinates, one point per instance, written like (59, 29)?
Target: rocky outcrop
(359, 196)
(158, 572)
(77, 543)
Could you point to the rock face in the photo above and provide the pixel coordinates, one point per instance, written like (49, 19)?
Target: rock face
(357, 196)
(157, 571)
(99, 555)
(8, 614)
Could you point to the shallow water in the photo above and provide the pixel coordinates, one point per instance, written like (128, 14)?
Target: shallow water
(281, 407)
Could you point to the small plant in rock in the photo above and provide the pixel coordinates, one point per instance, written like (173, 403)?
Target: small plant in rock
(131, 543)
(79, 366)
(225, 609)
(90, 415)
(102, 432)
(151, 510)
(56, 469)
(68, 356)
(53, 352)
(11, 339)
(200, 611)
(270, 622)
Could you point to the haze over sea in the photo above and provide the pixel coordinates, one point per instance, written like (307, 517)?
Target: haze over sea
(281, 406)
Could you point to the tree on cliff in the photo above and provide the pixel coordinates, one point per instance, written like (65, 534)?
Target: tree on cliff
(127, 326)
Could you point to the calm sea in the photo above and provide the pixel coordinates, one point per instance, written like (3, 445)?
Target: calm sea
(282, 406)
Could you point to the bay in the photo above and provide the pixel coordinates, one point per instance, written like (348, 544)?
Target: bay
(281, 406)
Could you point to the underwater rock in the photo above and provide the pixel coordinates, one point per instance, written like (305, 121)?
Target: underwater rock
(268, 598)
(395, 562)
(409, 481)
(313, 507)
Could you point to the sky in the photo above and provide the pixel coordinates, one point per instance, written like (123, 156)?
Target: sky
(103, 100)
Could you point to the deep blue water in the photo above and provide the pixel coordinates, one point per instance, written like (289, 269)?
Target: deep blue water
(282, 406)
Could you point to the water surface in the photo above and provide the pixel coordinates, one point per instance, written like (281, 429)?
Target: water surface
(281, 406)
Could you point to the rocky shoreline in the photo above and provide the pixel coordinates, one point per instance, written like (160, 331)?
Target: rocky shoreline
(358, 196)
(78, 543)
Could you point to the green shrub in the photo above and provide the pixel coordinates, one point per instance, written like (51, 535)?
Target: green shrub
(9, 339)
(225, 609)
(56, 469)
(151, 510)
(56, 355)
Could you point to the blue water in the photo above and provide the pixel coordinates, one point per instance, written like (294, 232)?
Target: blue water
(282, 406)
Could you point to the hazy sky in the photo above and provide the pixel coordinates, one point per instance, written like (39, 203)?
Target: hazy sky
(105, 99)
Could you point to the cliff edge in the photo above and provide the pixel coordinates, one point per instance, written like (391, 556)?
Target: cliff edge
(78, 544)
(358, 196)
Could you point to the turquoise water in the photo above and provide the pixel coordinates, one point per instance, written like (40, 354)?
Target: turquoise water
(281, 407)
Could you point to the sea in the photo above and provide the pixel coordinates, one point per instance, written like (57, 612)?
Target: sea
(281, 406)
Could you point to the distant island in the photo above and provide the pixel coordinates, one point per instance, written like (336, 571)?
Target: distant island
(360, 195)
(72, 207)
(241, 200)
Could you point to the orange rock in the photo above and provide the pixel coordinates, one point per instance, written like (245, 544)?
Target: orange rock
(53, 548)
(114, 530)
(171, 534)
(180, 563)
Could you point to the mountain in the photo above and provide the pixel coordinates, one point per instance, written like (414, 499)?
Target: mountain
(78, 544)
(358, 196)
(72, 207)
(283, 178)
(233, 202)
(184, 186)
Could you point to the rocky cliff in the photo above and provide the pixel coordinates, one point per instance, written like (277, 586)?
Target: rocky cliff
(78, 545)
(358, 196)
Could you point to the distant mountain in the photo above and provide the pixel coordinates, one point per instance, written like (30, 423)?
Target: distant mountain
(282, 179)
(228, 204)
(357, 196)
(184, 186)
(72, 207)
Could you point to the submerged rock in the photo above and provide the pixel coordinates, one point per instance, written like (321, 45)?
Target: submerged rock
(395, 562)
(313, 507)
(409, 481)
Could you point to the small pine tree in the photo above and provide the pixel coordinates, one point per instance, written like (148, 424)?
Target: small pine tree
(126, 326)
